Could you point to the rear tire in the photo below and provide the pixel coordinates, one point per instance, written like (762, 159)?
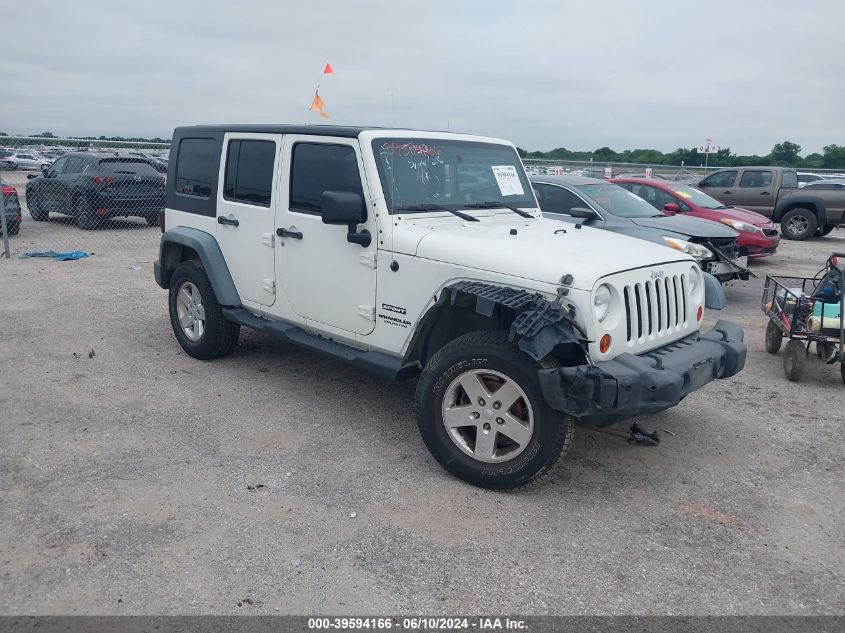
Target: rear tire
(487, 437)
(826, 351)
(794, 360)
(196, 316)
(84, 212)
(774, 338)
(38, 213)
(799, 224)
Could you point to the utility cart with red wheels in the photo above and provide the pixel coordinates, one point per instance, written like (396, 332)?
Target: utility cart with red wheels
(807, 310)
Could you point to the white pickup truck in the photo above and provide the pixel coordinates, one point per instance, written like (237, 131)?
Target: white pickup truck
(424, 255)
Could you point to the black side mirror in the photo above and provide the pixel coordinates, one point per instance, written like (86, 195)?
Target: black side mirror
(345, 207)
(31, 176)
(582, 212)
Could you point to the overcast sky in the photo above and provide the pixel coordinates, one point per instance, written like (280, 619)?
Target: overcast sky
(577, 74)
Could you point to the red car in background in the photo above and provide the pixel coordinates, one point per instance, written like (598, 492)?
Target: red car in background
(758, 236)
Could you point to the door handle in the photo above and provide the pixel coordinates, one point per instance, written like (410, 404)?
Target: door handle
(229, 221)
(765, 193)
(727, 192)
(297, 235)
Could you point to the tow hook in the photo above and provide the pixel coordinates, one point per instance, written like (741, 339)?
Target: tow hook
(639, 436)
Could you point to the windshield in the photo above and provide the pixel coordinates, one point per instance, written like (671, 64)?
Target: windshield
(452, 174)
(618, 201)
(697, 197)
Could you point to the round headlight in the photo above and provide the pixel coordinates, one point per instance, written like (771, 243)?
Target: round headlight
(601, 302)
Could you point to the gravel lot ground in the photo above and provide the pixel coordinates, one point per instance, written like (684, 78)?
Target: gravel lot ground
(139, 480)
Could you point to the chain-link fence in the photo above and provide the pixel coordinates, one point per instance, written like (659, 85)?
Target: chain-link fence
(88, 199)
(97, 196)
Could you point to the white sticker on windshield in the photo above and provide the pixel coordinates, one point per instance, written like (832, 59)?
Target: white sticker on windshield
(508, 180)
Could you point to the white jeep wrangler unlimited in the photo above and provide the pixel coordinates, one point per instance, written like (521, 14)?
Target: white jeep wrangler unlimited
(412, 253)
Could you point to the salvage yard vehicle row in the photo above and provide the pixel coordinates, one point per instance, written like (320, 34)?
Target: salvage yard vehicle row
(425, 254)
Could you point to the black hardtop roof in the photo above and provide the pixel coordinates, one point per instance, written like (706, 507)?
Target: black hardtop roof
(255, 128)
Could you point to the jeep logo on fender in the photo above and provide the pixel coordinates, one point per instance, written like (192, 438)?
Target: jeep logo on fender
(657, 274)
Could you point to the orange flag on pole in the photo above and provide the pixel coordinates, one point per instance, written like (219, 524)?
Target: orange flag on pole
(318, 106)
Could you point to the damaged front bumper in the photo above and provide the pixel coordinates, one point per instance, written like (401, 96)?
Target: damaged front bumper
(630, 385)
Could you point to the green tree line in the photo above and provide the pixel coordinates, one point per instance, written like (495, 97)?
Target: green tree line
(126, 139)
(786, 154)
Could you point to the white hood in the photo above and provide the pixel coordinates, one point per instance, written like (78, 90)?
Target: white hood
(542, 249)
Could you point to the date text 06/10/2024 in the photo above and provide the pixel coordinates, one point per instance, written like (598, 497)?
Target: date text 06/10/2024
(418, 623)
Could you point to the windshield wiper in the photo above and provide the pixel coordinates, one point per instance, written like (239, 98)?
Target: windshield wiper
(497, 204)
(434, 207)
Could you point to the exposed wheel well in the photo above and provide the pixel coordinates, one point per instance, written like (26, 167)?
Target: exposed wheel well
(445, 322)
(173, 254)
(809, 206)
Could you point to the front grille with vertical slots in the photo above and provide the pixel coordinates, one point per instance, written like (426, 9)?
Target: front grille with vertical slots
(656, 306)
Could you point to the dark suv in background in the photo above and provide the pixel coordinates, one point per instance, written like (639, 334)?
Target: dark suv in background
(94, 187)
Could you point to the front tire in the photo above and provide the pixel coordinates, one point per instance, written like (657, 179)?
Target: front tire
(482, 415)
(794, 360)
(774, 338)
(799, 224)
(196, 316)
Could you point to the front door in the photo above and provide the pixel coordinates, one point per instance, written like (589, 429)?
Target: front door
(721, 186)
(755, 190)
(246, 208)
(325, 278)
(50, 187)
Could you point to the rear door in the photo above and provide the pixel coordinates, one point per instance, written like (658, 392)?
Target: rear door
(755, 190)
(246, 208)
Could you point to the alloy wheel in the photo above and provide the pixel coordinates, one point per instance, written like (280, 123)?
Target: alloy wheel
(190, 311)
(488, 415)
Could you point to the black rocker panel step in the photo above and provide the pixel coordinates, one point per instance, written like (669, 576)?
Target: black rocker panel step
(376, 362)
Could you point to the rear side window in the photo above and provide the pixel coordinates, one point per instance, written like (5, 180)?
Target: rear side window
(132, 167)
(755, 179)
(321, 167)
(249, 172)
(196, 168)
(789, 180)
